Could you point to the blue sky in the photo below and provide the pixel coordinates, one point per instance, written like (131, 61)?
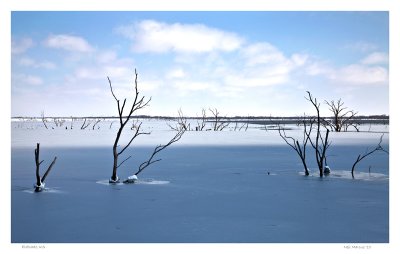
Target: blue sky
(243, 63)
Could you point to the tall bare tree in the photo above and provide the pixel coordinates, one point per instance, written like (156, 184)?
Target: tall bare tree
(139, 102)
(320, 144)
(342, 118)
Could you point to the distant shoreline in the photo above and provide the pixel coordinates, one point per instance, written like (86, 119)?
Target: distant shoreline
(371, 119)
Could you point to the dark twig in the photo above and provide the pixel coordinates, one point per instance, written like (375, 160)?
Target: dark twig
(367, 153)
(158, 149)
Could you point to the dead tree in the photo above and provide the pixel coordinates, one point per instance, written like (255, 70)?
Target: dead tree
(95, 123)
(367, 153)
(295, 144)
(181, 122)
(342, 118)
(72, 122)
(43, 119)
(39, 186)
(58, 122)
(320, 144)
(202, 123)
(138, 103)
(218, 125)
(151, 160)
(84, 124)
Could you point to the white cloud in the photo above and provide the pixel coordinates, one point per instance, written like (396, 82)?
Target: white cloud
(192, 85)
(106, 57)
(299, 59)
(376, 58)
(361, 46)
(68, 42)
(361, 74)
(24, 79)
(176, 73)
(104, 63)
(153, 36)
(20, 46)
(262, 53)
(259, 80)
(315, 68)
(29, 62)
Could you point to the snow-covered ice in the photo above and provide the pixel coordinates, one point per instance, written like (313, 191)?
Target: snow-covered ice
(228, 187)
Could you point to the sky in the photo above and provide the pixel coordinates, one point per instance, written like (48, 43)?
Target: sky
(257, 63)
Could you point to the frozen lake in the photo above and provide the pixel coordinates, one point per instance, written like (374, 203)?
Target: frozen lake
(210, 187)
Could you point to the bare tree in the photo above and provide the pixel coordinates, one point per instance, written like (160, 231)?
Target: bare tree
(342, 118)
(295, 144)
(181, 122)
(72, 122)
(111, 124)
(202, 123)
(95, 123)
(85, 125)
(138, 103)
(218, 124)
(367, 153)
(151, 160)
(320, 144)
(59, 122)
(43, 119)
(39, 186)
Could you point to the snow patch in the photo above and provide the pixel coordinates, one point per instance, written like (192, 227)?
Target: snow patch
(45, 190)
(346, 174)
(142, 181)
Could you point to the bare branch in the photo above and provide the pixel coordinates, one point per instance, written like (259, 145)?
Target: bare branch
(44, 120)
(84, 125)
(137, 133)
(48, 169)
(96, 122)
(112, 92)
(341, 119)
(124, 161)
(158, 149)
(367, 153)
(295, 145)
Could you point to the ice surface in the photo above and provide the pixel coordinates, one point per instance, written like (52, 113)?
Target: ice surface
(208, 187)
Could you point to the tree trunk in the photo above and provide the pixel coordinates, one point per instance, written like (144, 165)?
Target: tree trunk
(305, 167)
(38, 182)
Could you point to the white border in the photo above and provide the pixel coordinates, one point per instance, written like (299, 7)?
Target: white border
(201, 5)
